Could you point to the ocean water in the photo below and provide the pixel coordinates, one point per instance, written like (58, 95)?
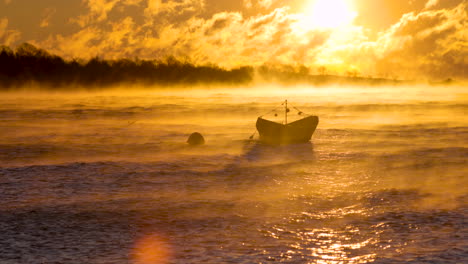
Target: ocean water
(107, 177)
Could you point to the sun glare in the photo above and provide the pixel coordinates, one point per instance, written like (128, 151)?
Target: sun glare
(328, 14)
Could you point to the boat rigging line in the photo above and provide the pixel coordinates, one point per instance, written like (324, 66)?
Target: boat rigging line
(276, 108)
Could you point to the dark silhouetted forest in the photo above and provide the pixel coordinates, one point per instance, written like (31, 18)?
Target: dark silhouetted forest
(29, 64)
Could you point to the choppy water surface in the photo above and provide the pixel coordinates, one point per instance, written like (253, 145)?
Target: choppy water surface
(108, 178)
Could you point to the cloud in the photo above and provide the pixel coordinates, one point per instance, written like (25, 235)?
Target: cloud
(123, 39)
(226, 38)
(221, 21)
(132, 2)
(429, 44)
(248, 3)
(98, 10)
(156, 8)
(7, 36)
(76, 45)
(265, 4)
(431, 3)
(234, 40)
(47, 16)
(438, 4)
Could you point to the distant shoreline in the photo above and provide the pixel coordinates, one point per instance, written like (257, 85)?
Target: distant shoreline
(31, 66)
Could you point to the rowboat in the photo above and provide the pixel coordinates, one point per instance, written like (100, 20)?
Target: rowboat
(275, 133)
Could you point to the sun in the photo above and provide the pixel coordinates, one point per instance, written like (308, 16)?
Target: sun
(327, 14)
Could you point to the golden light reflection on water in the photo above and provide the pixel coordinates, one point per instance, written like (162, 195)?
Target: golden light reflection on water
(328, 246)
(345, 175)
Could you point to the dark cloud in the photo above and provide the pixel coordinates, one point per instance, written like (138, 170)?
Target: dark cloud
(217, 25)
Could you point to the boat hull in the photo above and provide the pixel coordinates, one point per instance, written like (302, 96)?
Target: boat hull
(299, 131)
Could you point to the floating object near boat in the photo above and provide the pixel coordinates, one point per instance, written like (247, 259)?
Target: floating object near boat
(299, 131)
(196, 139)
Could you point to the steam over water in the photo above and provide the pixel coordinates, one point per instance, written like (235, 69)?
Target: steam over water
(108, 178)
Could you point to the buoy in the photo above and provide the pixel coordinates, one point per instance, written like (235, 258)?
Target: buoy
(196, 139)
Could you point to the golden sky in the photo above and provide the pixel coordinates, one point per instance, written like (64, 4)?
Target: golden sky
(387, 38)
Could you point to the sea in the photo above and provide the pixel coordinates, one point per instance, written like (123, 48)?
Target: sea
(107, 176)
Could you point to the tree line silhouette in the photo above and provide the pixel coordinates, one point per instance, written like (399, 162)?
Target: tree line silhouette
(29, 64)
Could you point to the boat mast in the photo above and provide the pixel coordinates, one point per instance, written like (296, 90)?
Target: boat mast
(286, 112)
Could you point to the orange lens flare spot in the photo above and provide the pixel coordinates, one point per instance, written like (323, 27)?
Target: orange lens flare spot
(151, 250)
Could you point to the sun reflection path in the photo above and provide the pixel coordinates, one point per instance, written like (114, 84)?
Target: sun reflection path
(324, 245)
(336, 247)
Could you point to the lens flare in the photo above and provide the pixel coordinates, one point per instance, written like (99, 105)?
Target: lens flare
(151, 250)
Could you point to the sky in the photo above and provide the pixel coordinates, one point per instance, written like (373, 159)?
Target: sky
(405, 39)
